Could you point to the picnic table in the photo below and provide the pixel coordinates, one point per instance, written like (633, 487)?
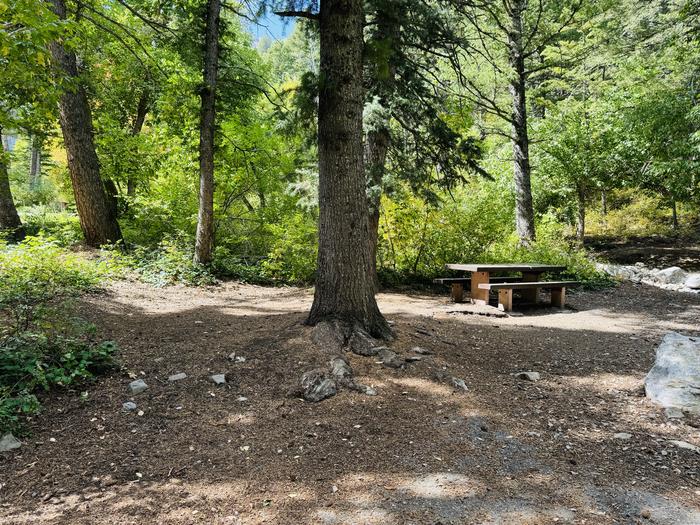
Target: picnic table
(529, 283)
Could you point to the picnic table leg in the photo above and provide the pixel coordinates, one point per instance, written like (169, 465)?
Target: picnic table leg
(478, 295)
(559, 297)
(505, 299)
(457, 292)
(532, 295)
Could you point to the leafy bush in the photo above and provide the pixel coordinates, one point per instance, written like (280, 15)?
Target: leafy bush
(30, 362)
(61, 226)
(171, 262)
(41, 344)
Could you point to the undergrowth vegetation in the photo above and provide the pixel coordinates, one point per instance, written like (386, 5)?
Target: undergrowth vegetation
(43, 345)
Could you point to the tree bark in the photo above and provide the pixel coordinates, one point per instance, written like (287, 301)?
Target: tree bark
(34, 162)
(97, 219)
(10, 223)
(344, 287)
(141, 111)
(207, 121)
(581, 213)
(524, 212)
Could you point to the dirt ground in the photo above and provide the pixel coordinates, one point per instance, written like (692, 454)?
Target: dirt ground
(506, 451)
(654, 252)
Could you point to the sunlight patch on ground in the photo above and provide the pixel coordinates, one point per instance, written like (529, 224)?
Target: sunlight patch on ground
(424, 386)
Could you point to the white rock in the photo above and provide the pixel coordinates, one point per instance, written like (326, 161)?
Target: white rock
(218, 379)
(138, 386)
(459, 383)
(674, 380)
(672, 275)
(693, 281)
(9, 442)
(177, 377)
(528, 376)
(622, 435)
(129, 406)
(685, 445)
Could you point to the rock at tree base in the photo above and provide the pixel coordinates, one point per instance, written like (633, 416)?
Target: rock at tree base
(390, 358)
(340, 369)
(317, 385)
(218, 379)
(672, 275)
(177, 377)
(9, 442)
(138, 386)
(693, 281)
(129, 406)
(528, 376)
(361, 343)
(674, 380)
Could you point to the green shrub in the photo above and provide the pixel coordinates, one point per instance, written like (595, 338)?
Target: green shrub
(41, 344)
(30, 362)
(61, 226)
(171, 262)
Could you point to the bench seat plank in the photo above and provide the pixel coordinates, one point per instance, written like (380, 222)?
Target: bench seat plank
(528, 285)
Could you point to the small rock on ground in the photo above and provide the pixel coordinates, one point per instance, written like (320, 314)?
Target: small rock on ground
(390, 359)
(177, 377)
(9, 442)
(622, 435)
(686, 445)
(458, 383)
(218, 379)
(137, 386)
(422, 351)
(129, 406)
(528, 376)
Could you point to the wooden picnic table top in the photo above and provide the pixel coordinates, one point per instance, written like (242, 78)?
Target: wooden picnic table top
(506, 267)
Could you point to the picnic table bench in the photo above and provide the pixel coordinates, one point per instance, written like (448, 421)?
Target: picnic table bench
(529, 284)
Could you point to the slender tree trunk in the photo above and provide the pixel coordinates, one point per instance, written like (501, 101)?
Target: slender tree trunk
(581, 215)
(344, 286)
(674, 212)
(524, 213)
(378, 138)
(207, 123)
(604, 202)
(34, 162)
(10, 223)
(112, 196)
(141, 111)
(97, 219)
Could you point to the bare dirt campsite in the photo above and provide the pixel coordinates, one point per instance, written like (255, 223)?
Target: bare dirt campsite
(579, 445)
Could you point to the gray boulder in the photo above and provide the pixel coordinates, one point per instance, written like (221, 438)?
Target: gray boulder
(672, 275)
(218, 379)
(129, 406)
(9, 442)
(674, 380)
(317, 385)
(693, 281)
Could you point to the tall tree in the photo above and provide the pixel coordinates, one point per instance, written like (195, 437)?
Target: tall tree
(344, 285)
(207, 125)
(512, 37)
(97, 218)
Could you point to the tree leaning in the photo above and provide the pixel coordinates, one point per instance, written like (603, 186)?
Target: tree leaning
(97, 218)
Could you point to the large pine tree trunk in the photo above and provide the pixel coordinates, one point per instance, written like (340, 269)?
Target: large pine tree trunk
(34, 162)
(524, 212)
(97, 219)
(344, 284)
(205, 223)
(10, 224)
